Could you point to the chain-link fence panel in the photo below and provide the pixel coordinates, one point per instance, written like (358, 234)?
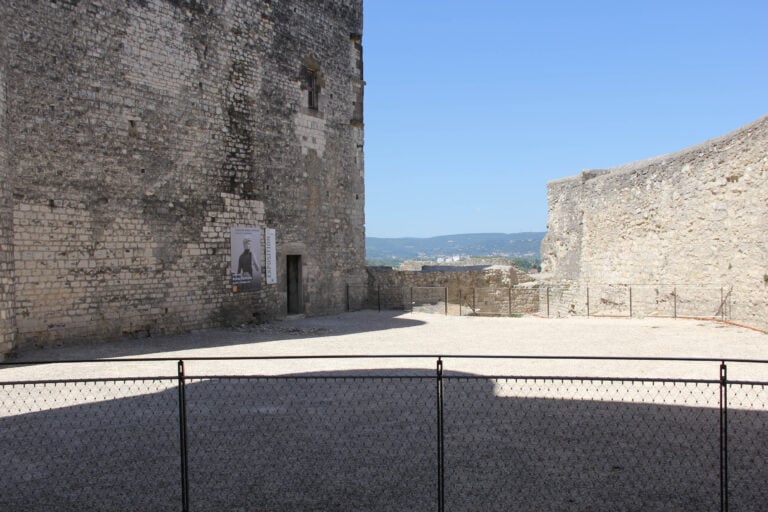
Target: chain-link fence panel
(636, 300)
(312, 443)
(429, 299)
(609, 300)
(559, 301)
(357, 298)
(747, 446)
(499, 301)
(653, 300)
(702, 301)
(555, 301)
(487, 301)
(559, 444)
(660, 300)
(392, 298)
(90, 445)
(525, 300)
(380, 440)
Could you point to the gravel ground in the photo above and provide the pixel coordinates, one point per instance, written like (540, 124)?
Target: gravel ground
(361, 434)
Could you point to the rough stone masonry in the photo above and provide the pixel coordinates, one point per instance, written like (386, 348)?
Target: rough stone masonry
(696, 217)
(135, 135)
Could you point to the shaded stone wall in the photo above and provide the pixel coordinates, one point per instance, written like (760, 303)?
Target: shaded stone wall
(697, 217)
(7, 323)
(141, 132)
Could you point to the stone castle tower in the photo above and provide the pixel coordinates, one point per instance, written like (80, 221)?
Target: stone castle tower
(142, 141)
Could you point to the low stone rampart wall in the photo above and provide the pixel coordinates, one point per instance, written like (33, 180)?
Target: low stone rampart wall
(492, 291)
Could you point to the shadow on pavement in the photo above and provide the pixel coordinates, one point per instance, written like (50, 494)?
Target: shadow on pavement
(297, 329)
(367, 440)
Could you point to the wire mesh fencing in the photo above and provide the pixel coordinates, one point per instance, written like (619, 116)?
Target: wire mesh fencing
(593, 452)
(311, 443)
(385, 440)
(499, 301)
(747, 444)
(552, 301)
(456, 301)
(672, 301)
(357, 297)
(429, 299)
(90, 445)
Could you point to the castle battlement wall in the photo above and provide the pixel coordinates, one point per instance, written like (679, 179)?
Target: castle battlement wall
(698, 216)
(140, 134)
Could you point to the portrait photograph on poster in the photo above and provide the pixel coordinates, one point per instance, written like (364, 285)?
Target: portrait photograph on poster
(246, 261)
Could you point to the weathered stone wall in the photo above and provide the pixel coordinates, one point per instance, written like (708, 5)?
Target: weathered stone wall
(7, 323)
(697, 217)
(494, 290)
(140, 132)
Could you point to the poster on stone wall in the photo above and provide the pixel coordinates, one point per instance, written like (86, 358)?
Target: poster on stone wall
(246, 262)
(270, 243)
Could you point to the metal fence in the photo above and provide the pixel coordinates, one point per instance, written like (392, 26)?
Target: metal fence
(480, 301)
(386, 440)
(552, 301)
(659, 300)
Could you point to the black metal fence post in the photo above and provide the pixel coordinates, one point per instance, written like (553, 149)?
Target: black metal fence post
(722, 304)
(440, 440)
(723, 438)
(674, 295)
(183, 440)
(547, 301)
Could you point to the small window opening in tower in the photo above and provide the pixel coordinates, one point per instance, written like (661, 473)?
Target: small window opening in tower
(313, 88)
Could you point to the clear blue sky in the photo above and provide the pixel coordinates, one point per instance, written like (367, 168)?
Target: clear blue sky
(472, 106)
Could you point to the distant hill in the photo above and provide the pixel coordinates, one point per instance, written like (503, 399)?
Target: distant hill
(514, 245)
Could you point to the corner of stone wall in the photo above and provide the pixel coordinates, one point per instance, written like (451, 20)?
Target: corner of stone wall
(7, 292)
(561, 246)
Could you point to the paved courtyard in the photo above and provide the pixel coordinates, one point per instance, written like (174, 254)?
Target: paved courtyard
(339, 434)
(393, 333)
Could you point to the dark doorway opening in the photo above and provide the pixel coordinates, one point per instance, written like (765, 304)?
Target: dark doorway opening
(293, 274)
